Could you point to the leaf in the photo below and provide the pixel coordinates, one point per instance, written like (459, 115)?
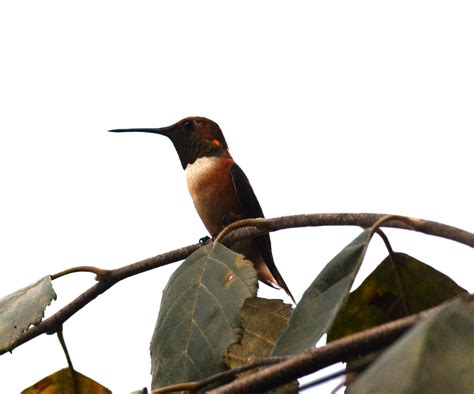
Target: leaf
(263, 321)
(323, 299)
(433, 357)
(21, 309)
(396, 288)
(199, 315)
(61, 382)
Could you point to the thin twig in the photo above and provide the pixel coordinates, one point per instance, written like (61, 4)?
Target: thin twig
(51, 324)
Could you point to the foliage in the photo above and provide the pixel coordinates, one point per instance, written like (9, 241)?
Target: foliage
(326, 294)
(400, 286)
(263, 322)
(433, 357)
(66, 381)
(21, 309)
(199, 315)
(402, 321)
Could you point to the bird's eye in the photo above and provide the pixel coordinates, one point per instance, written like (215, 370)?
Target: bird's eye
(189, 125)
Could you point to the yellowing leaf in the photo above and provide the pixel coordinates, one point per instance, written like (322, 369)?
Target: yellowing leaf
(400, 285)
(61, 382)
(263, 321)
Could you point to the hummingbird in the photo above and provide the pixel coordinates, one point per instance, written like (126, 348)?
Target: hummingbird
(220, 190)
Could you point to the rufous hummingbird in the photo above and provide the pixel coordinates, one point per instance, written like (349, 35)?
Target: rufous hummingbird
(221, 192)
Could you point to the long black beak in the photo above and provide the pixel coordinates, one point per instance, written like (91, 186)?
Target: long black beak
(162, 130)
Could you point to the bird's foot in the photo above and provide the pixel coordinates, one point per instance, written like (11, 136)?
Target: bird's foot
(205, 240)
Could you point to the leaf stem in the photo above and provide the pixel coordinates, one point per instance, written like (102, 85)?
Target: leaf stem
(385, 241)
(100, 273)
(64, 347)
(252, 222)
(68, 358)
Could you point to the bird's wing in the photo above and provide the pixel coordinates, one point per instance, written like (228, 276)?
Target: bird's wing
(250, 205)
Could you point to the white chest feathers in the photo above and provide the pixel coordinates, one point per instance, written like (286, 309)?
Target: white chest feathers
(201, 172)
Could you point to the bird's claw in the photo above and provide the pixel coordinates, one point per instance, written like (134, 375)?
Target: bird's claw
(205, 240)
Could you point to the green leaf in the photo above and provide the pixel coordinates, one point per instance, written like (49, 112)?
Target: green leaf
(433, 357)
(61, 382)
(199, 315)
(23, 308)
(321, 302)
(400, 286)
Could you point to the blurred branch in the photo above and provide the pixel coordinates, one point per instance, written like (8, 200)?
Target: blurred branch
(108, 278)
(355, 366)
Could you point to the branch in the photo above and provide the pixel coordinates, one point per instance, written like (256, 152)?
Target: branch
(221, 377)
(106, 279)
(55, 322)
(318, 358)
(364, 220)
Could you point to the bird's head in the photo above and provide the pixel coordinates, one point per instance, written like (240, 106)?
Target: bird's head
(193, 137)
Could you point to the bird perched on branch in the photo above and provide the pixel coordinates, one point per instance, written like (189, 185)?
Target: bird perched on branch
(221, 192)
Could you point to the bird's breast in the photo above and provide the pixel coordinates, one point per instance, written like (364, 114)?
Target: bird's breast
(212, 190)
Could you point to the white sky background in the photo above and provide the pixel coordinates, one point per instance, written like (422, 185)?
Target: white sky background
(328, 107)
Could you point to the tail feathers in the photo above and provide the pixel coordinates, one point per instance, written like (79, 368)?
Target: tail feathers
(269, 274)
(260, 253)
